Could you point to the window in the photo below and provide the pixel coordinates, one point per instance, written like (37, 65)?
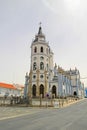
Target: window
(41, 65)
(34, 90)
(41, 49)
(34, 76)
(35, 49)
(47, 67)
(41, 57)
(41, 76)
(35, 58)
(34, 66)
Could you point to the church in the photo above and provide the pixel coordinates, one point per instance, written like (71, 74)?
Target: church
(47, 79)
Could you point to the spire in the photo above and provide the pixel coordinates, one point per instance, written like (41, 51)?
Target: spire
(40, 36)
(40, 29)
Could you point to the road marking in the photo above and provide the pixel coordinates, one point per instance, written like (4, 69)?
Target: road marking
(4, 118)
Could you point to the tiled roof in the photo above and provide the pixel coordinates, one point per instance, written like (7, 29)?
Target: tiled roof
(9, 86)
(18, 86)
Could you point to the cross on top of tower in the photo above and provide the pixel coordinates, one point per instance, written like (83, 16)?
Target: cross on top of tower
(40, 29)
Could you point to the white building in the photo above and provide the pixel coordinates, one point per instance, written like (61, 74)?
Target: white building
(20, 88)
(8, 90)
(45, 78)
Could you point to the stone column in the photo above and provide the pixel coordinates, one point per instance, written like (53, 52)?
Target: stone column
(37, 82)
(45, 84)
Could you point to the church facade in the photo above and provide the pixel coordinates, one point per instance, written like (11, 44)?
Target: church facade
(47, 79)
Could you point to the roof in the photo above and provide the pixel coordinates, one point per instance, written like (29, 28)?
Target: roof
(9, 86)
(18, 86)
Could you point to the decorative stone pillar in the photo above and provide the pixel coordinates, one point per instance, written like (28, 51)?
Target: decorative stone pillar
(37, 89)
(45, 84)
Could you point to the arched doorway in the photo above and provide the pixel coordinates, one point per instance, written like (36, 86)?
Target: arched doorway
(75, 93)
(54, 90)
(42, 90)
(34, 90)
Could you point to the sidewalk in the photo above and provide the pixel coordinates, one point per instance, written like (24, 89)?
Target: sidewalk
(65, 102)
(72, 102)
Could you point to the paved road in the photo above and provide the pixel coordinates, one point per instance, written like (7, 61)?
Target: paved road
(73, 117)
(11, 112)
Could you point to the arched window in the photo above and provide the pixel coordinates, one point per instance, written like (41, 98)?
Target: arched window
(75, 93)
(41, 65)
(54, 90)
(41, 91)
(42, 58)
(47, 67)
(34, 66)
(34, 91)
(41, 49)
(35, 49)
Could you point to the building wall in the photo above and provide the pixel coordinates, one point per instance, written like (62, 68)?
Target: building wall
(9, 92)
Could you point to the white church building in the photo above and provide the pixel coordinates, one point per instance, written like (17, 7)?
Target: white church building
(45, 78)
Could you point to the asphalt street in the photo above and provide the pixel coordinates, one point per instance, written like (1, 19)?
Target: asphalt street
(73, 117)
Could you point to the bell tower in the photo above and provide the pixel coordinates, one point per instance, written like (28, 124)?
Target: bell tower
(41, 63)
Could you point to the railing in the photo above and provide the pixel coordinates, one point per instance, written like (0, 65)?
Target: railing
(37, 102)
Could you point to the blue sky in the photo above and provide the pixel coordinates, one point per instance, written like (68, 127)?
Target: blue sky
(63, 22)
